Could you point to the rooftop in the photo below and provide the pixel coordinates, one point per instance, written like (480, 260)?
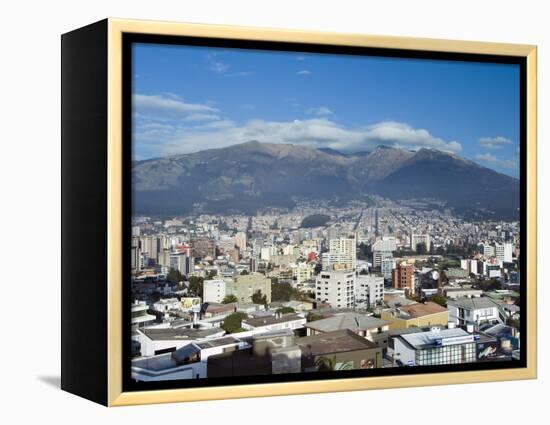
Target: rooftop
(426, 339)
(353, 321)
(333, 342)
(180, 333)
(422, 309)
(265, 321)
(473, 303)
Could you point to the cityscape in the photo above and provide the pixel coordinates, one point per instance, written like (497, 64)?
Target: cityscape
(293, 214)
(374, 284)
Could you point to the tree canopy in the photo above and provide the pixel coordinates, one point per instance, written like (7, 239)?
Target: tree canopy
(233, 322)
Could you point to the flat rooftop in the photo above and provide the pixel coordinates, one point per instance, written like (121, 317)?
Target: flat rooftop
(265, 321)
(427, 339)
(180, 333)
(333, 342)
(353, 321)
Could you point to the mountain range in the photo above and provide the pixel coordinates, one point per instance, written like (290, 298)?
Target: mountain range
(253, 175)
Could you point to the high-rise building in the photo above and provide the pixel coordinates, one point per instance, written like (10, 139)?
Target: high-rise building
(181, 262)
(135, 262)
(403, 277)
(417, 239)
(336, 288)
(336, 261)
(386, 267)
(503, 252)
(488, 250)
(346, 246)
(383, 249)
(240, 241)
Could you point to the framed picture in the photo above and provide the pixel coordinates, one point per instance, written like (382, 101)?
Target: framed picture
(252, 212)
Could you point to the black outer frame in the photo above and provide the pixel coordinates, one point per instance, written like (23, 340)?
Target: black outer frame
(130, 38)
(84, 212)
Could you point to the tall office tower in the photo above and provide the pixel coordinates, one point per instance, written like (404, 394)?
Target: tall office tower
(488, 250)
(336, 261)
(417, 239)
(336, 288)
(387, 266)
(383, 249)
(182, 263)
(135, 262)
(403, 277)
(164, 258)
(503, 252)
(346, 246)
(150, 245)
(240, 241)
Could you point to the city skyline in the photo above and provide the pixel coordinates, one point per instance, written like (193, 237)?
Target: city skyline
(188, 99)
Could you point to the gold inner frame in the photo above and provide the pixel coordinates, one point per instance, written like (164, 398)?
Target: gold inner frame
(116, 397)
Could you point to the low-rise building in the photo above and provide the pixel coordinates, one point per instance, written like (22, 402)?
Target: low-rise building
(338, 350)
(361, 324)
(140, 317)
(474, 311)
(435, 347)
(156, 341)
(416, 315)
(274, 323)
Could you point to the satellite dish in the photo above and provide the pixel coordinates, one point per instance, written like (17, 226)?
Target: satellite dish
(435, 275)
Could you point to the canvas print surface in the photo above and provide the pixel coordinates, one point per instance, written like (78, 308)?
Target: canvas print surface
(300, 213)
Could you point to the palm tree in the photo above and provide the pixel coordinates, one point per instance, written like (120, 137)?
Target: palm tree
(329, 364)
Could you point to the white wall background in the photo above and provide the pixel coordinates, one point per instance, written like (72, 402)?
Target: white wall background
(30, 231)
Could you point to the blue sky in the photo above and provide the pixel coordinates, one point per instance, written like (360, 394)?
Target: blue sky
(187, 99)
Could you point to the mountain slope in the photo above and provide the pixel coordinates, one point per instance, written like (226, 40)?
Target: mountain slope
(253, 175)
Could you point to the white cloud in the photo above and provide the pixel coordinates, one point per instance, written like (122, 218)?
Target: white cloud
(510, 164)
(239, 74)
(169, 107)
(318, 133)
(322, 110)
(304, 72)
(219, 67)
(494, 142)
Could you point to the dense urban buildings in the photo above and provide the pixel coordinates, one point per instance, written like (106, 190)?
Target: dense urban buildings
(378, 284)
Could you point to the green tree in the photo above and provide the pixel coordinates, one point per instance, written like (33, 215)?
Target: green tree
(244, 272)
(174, 276)
(211, 274)
(312, 317)
(285, 310)
(233, 322)
(258, 298)
(195, 285)
(439, 299)
(228, 299)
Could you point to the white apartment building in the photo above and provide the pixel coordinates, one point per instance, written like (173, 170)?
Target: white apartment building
(213, 291)
(336, 261)
(420, 238)
(503, 252)
(336, 288)
(345, 246)
(478, 310)
(369, 289)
